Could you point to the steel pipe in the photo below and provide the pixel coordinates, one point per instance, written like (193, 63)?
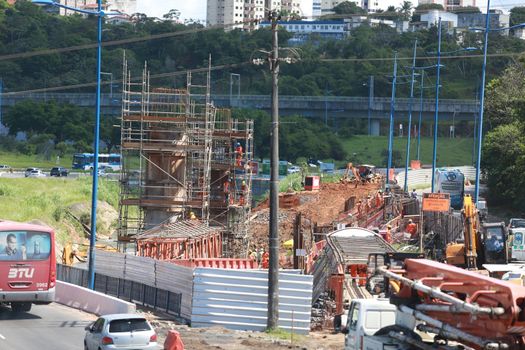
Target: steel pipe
(461, 335)
(458, 304)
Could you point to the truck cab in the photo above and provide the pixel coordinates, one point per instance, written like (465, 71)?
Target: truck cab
(494, 237)
(365, 318)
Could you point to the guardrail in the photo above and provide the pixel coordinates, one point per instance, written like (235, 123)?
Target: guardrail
(134, 292)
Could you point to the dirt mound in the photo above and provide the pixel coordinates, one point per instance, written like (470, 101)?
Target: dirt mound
(320, 207)
(107, 217)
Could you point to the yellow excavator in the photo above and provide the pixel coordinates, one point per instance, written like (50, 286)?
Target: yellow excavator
(483, 243)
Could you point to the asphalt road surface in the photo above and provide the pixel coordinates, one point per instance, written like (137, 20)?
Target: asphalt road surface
(46, 327)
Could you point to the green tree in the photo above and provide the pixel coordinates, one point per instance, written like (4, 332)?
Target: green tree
(406, 10)
(349, 8)
(517, 15)
(504, 146)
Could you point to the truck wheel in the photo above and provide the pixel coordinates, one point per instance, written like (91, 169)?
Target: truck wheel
(398, 329)
(21, 307)
(337, 323)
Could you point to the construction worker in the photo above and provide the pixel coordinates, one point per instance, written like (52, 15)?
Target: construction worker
(226, 190)
(265, 260)
(411, 229)
(243, 192)
(193, 216)
(388, 234)
(238, 154)
(379, 198)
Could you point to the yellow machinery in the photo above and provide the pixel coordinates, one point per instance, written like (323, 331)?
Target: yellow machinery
(465, 254)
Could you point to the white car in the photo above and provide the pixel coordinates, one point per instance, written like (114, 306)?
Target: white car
(36, 173)
(294, 169)
(29, 170)
(120, 331)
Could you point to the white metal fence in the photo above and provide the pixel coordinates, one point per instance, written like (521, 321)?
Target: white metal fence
(424, 176)
(238, 299)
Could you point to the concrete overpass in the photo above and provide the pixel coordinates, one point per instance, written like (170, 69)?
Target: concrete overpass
(320, 107)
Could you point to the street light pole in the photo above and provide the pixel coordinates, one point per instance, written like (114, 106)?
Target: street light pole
(110, 84)
(410, 117)
(93, 240)
(273, 268)
(238, 76)
(420, 113)
(391, 126)
(370, 99)
(436, 112)
(481, 101)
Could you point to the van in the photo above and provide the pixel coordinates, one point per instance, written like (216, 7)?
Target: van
(365, 318)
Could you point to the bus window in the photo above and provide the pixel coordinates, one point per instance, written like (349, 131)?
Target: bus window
(20, 245)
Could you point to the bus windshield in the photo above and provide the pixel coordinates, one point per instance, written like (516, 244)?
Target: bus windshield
(24, 245)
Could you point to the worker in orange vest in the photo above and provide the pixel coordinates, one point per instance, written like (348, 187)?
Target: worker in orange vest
(243, 193)
(238, 154)
(412, 229)
(265, 260)
(388, 234)
(226, 190)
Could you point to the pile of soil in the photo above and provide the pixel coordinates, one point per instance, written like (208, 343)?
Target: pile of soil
(320, 207)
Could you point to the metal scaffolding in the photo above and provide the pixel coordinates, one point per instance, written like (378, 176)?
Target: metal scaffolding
(183, 159)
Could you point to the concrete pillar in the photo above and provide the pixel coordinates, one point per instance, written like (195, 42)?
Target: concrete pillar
(375, 125)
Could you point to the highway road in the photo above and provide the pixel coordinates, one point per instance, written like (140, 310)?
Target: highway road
(46, 327)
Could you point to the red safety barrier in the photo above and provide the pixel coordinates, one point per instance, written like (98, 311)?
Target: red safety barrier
(219, 263)
(173, 341)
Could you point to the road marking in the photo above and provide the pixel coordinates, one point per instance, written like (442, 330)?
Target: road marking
(2, 337)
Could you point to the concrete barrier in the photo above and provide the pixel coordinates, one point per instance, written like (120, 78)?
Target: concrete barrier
(90, 301)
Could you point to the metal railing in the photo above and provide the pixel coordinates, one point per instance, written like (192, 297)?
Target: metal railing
(134, 292)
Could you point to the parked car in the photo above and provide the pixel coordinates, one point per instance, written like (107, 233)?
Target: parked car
(120, 331)
(36, 173)
(516, 222)
(58, 171)
(294, 169)
(29, 171)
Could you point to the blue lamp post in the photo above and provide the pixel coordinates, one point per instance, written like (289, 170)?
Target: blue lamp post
(436, 112)
(99, 13)
(407, 154)
(482, 94)
(391, 125)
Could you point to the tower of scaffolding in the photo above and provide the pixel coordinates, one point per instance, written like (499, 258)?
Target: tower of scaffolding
(183, 159)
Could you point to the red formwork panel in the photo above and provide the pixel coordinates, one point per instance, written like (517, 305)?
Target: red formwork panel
(219, 263)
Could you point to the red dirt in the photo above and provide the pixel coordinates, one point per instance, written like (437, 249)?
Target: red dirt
(321, 207)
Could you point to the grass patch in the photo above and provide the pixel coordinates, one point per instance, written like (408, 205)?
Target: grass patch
(26, 199)
(22, 161)
(450, 152)
(283, 335)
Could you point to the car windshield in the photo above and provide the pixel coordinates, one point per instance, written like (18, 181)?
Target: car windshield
(129, 325)
(518, 223)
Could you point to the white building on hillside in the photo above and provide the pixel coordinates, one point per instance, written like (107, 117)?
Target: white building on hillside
(128, 7)
(449, 5)
(243, 14)
(448, 20)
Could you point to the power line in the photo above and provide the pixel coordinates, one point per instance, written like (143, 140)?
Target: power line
(122, 41)
(235, 65)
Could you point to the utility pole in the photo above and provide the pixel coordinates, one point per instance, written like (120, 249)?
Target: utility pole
(391, 127)
(273, 270)
(436, 112)
(420, 113)
(410, 116)
(370, 99)
(482, 102)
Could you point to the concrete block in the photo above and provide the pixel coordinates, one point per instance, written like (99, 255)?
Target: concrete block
(90, 301)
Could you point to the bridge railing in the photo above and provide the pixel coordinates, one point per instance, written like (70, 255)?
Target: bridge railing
(116, 98)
